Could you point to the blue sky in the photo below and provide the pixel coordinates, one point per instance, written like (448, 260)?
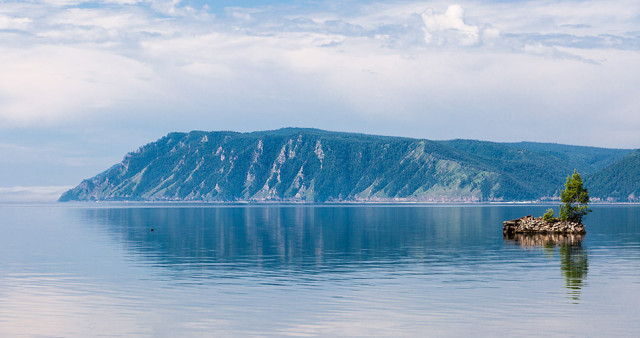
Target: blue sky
(84, 82)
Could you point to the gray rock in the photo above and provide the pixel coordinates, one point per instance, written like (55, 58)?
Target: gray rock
(530, 224)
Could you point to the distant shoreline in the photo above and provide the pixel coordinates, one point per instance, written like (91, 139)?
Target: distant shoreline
(290, 203)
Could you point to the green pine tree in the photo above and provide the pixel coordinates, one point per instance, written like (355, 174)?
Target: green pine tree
(575, 199)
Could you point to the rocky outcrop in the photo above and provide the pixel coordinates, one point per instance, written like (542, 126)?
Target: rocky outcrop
(530, 224)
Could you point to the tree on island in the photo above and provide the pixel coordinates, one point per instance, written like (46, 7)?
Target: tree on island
(575, 199)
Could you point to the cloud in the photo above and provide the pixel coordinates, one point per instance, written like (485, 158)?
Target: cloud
(46, 83)
(14, 23)
(32, 194)
(442, 28)
(392, 68)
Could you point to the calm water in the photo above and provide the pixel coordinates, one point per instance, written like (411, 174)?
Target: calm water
(98, 270)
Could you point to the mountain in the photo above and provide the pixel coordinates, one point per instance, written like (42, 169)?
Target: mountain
(311, 165)
(619, 181)
(585, 159)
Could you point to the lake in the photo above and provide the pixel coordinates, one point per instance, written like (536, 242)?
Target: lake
(306, 270)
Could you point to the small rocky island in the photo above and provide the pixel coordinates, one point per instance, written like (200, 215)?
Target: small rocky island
(530, 224)
(575, 200)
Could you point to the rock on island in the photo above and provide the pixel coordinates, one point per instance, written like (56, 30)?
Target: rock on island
(530, 224)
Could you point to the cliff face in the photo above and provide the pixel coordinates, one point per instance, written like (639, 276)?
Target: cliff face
(295, 166)
(314, 165)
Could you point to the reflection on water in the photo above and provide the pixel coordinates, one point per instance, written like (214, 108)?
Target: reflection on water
(574, 261)
(245, 270)
(548, 240)
(296, 238)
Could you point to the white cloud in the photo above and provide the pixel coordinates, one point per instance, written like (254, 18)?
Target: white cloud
(62, 3)
(442, 28)
(8, 22)
(99, 18)
(49, 83)
(402, 68)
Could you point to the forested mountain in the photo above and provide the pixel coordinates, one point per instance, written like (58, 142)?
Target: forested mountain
(619, 181)
(312, 165)
(585, 159)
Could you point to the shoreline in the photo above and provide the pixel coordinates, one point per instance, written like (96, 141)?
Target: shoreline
(291, 203)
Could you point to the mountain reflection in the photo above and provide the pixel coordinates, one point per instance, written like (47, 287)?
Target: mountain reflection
(294, 238)
(574, 261)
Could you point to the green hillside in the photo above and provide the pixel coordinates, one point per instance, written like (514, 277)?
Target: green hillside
(585, 159)
(311, 165)
(619, 181)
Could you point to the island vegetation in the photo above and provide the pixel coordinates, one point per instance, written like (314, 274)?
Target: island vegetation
(575, 205)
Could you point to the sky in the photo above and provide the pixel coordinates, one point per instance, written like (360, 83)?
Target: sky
(84, 82)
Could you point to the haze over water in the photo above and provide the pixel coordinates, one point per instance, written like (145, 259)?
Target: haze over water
(98, 269)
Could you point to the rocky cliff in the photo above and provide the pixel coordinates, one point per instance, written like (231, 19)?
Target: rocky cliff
(310, 165)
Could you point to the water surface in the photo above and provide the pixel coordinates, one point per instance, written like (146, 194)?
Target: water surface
(98, 269)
